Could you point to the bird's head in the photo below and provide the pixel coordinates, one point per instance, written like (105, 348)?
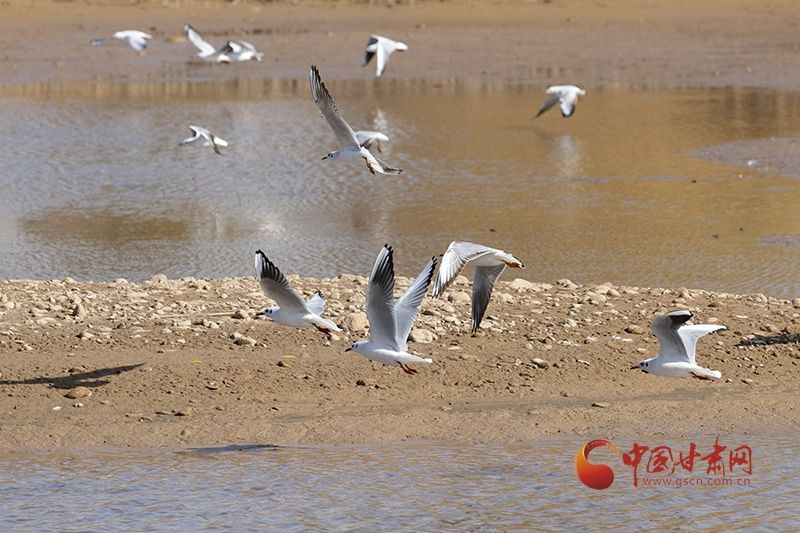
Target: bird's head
(331, 155)
(644, 366)
(401, 47)
(581, 92)
(355, 347)
(267, 312)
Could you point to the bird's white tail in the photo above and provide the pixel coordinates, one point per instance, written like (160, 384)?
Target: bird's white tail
(706, 373)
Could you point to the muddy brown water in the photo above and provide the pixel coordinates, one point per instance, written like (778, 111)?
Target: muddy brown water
(392, 487)
(93, 184)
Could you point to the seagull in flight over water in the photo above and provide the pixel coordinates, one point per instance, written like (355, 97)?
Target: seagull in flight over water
(293, 310)
(135, 38)
(381, 48)
(489, 264)
(351, 148)
(677, 340)
(232, 51)
(209, 139)
(390, 322)
(564, 95)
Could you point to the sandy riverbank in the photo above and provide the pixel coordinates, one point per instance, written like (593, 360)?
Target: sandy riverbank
(614, 42)
(153, 352)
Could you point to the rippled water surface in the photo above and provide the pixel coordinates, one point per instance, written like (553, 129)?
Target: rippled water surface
(408, 487)
(94, 185)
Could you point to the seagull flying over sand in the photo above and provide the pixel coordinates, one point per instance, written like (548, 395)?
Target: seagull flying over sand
(676, 358)
(371, 139)
(489, 264)
(292, 310)
(382, 48)
(564, 95)
(135, 38)
(351, 148)
(209, 139)
(390, 322)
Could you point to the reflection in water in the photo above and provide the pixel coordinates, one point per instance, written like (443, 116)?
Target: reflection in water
(98, 188)
(394, 487)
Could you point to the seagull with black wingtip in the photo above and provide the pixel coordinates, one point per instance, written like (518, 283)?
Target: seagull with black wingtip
(489, 265)
(678, 341)
(566, 96)
(351, 148)
(390, 321)
(292, 310)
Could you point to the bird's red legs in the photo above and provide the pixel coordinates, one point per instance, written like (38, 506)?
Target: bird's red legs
(407, 369)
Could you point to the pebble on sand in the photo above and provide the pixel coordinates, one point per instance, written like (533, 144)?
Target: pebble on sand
(242, 340)
(634, 329)
(356, 321)
(78, 392)
(541, 363)
(422, 336)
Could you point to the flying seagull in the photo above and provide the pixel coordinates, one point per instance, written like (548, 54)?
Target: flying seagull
(292, 310)
(382, 48)
(351, 148)
(371, 139)
(489, 264)
(209, 139)
(390, 322)
(232, 51)
(242, 51)
(677, 340)
(564, 95)
(135, 38)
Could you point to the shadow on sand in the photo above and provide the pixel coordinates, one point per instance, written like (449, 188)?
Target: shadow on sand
(91, 378)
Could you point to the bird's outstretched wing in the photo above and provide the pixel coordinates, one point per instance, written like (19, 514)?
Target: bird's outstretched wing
(316, 304)
(328, 110)
(407, 306)
(550, 102)
(690, 334)
(196, 39)
(483, 285)
(458, 254)
(275, 285)
(380, 300)
(372, 47)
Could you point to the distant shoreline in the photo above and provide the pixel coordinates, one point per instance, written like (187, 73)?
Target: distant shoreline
(606, 44)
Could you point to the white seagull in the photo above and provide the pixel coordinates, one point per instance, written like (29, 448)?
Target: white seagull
(232, 51)
(676, 358)
(135, 38)
(564, 95)
(242, 51)
(207, 52)
(382, 48)
(390, 322)
(209, 139)
(351, 148)
(489, 264)
(371, 139)
(293, 311)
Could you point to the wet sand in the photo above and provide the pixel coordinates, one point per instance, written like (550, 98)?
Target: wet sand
(162, 359)
(167, 364)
